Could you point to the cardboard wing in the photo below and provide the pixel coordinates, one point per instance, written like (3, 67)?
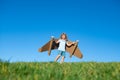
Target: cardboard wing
(74, 50)
(51, 45)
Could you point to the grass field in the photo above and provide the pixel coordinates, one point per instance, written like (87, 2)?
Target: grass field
(56, 71)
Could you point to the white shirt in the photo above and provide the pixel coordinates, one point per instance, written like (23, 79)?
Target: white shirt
(62, 44)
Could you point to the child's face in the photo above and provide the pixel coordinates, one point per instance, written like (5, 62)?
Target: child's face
(63, 36)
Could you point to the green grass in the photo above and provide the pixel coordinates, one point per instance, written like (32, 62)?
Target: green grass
(56, 71)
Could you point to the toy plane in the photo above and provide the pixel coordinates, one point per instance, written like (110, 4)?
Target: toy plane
(52, 45)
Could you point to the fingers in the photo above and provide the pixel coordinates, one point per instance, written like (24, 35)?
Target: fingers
(77, 40)
(52, 36)
(73, 42)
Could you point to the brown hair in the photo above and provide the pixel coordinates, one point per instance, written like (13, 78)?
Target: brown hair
(65, 36)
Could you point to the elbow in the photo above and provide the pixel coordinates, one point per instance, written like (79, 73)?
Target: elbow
(56, 42)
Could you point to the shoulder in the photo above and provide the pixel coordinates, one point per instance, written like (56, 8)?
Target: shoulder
(66, 41)
(59, 40)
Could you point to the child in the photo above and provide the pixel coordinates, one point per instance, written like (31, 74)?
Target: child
(62, 44)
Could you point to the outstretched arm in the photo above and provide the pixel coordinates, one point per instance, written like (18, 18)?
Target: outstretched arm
(57, 41)
(69, 44)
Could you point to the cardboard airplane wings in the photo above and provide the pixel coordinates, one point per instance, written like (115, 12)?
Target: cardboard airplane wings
(51, 45)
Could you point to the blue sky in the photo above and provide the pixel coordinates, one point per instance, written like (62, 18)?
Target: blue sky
(26, 25)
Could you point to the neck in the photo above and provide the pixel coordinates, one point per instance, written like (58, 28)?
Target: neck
(63, 39)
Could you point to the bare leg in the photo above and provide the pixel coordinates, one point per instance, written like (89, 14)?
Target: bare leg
(62, 60)
(58, 56)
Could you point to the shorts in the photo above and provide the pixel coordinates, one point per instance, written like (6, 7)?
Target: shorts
(62, 53)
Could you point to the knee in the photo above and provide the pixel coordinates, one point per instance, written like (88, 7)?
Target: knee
(58, 55)
(63, 57)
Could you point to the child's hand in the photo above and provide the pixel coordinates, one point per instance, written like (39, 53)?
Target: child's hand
(73, 42)
(52, 37)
